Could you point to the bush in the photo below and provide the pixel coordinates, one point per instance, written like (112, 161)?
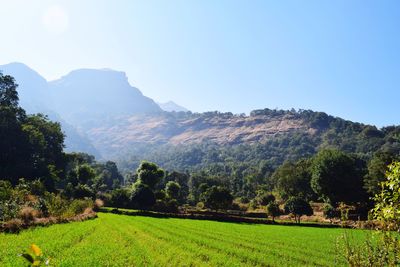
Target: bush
(28, 214)
(12, 226)
(120, 198)
(56, 204)
(329, 211)
(82, 191)
(77, 206)
(200, 205)
(265, 198)
(98, 203)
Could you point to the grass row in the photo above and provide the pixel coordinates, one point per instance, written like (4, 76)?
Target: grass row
(118, 240)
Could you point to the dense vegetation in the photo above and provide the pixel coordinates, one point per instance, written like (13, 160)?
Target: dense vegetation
(118, 240)
(37, 179)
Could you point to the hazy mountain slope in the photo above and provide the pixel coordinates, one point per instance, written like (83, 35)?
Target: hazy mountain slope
(87, 95)
(80, 100)
(33, 88)
(35, 97)
(172, 106)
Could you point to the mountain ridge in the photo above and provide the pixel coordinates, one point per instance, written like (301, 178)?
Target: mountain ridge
(115, 119)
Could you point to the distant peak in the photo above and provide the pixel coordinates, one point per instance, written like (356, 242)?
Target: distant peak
(21, 71)
(172, 106)
(18, 66)
(104, 71)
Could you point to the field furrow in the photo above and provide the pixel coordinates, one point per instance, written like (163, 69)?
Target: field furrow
(119, 240)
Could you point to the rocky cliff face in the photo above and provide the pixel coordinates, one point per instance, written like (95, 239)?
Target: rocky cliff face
(171, 128)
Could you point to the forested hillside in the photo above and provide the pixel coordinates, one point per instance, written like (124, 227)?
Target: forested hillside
(223, 142)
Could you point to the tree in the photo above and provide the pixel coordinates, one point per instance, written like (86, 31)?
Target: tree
(150, 174)
(273, 210)
(264, 198)
(85, 173)
(293, 180)
(13, 144)
(382, 246)
(298, 207)
(183, 180)
(142, 197)
(387, 202)
(217, 197)
(120, 198)
(172, 190)
(338, 177)
(377, 167)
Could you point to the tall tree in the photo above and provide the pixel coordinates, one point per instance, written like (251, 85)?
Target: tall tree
(150, 174)
(377, 168)
(13, 156)
(338, 177)
(293, 180)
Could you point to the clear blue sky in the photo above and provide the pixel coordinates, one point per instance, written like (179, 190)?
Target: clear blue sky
(341, 57)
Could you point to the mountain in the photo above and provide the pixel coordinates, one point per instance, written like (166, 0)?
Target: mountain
(172, 106)
(33, 89)
(223, 143)
(103, 114)
(90, 95)
(80, 99)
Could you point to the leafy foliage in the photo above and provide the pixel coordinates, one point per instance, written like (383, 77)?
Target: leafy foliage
(337, 177)
(298, 207)
(273, 210)
(217, 197)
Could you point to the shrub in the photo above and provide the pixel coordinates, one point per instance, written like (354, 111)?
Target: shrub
(200, 205)
(77, 206)
(265, 198)
(120, 198)
(329, 211)
(28, 214)
(56, 204)
(98, 203)
(82, 191)
(12, 226)
(9, 210)
(5, 190)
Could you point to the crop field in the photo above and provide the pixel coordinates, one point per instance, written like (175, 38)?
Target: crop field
(119, 240)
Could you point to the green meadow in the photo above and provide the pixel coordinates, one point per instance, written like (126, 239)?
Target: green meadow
(120, 240)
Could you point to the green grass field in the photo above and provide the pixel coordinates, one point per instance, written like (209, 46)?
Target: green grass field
(119, 240)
